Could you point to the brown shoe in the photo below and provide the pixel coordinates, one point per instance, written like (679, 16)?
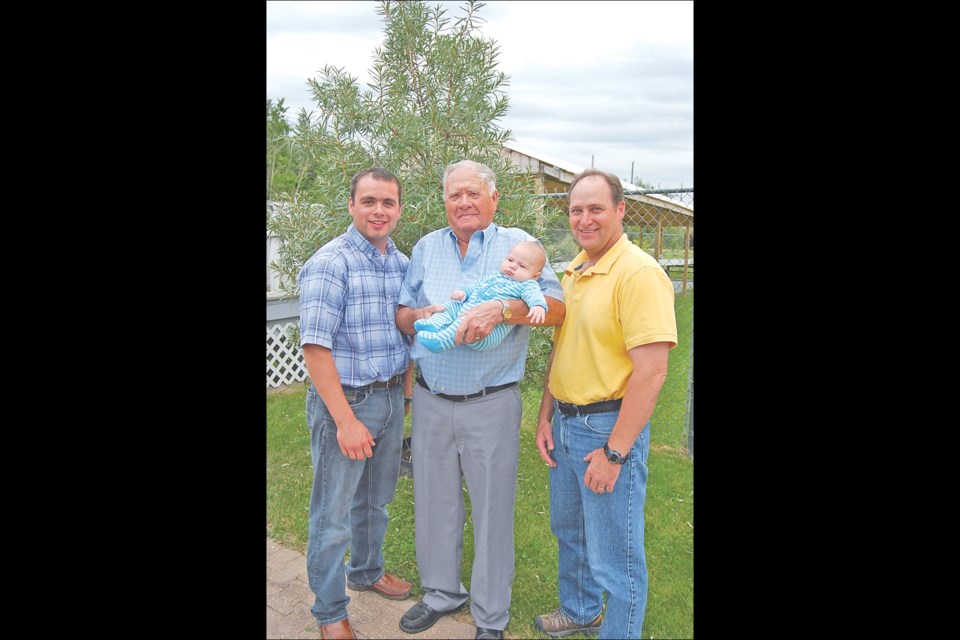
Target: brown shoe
(390, 587)
(557, 625)
(337, 631)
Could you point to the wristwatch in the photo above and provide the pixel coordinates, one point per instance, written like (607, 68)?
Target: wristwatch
(507, 313)
(614, 456)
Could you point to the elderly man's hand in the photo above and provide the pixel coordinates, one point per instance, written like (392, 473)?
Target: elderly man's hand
(478, 322)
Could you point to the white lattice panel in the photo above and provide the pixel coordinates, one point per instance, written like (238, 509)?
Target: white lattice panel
(284, 358)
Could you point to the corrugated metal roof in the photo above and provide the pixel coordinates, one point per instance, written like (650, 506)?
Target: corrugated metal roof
(560, 164)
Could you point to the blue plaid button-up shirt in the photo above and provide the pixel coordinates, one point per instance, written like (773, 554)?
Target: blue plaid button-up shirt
(435, 271)
(348, 303)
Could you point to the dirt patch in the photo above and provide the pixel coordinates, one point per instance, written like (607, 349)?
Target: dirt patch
(287, 388)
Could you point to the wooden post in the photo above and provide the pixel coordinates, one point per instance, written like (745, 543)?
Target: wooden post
(658, 248)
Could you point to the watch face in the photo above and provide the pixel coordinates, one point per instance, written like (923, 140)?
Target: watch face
(507, 312)
(613, 456)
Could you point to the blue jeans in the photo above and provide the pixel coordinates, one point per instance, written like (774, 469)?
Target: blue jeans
(348, 503)
(600, 536)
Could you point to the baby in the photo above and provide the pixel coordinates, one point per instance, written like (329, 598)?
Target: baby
(517, 278)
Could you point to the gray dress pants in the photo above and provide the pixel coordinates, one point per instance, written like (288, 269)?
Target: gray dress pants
(479, 438)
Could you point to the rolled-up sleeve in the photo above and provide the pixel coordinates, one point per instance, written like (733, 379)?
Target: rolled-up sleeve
(549, 283)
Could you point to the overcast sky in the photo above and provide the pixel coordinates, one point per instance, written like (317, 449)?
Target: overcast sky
(612, 80)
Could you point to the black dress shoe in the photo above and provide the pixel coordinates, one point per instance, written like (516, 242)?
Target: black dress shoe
(420, 617)
(489, 634)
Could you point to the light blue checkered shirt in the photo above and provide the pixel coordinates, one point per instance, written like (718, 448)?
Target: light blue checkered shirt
(348, 303)
(435, 271)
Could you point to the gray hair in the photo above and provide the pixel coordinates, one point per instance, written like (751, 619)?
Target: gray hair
(483, 171)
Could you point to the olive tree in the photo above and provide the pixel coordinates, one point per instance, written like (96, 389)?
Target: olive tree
(435, 97)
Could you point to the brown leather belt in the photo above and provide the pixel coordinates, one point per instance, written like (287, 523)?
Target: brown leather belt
(379, 384)
(388, 383)
(568, 409)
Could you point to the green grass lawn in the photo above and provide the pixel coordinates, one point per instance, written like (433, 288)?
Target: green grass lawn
(669, 506)
(669, 520)
(668, 426)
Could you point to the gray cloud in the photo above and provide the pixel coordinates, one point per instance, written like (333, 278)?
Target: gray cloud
(288, 18)
(638, 108)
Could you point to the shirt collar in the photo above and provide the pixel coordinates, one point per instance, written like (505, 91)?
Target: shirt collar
(603, 266)
(483, 234)
(364, 245)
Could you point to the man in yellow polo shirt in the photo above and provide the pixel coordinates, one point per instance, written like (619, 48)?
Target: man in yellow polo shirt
(608, 364)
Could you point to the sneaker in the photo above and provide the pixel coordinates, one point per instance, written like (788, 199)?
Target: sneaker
(557, 625)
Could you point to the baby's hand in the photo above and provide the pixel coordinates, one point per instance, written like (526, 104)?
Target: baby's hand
(458, 295)
(537, 314)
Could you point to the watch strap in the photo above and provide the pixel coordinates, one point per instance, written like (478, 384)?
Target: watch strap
(614, 456)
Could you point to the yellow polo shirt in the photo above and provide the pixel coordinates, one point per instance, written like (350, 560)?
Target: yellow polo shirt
(622, 302)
